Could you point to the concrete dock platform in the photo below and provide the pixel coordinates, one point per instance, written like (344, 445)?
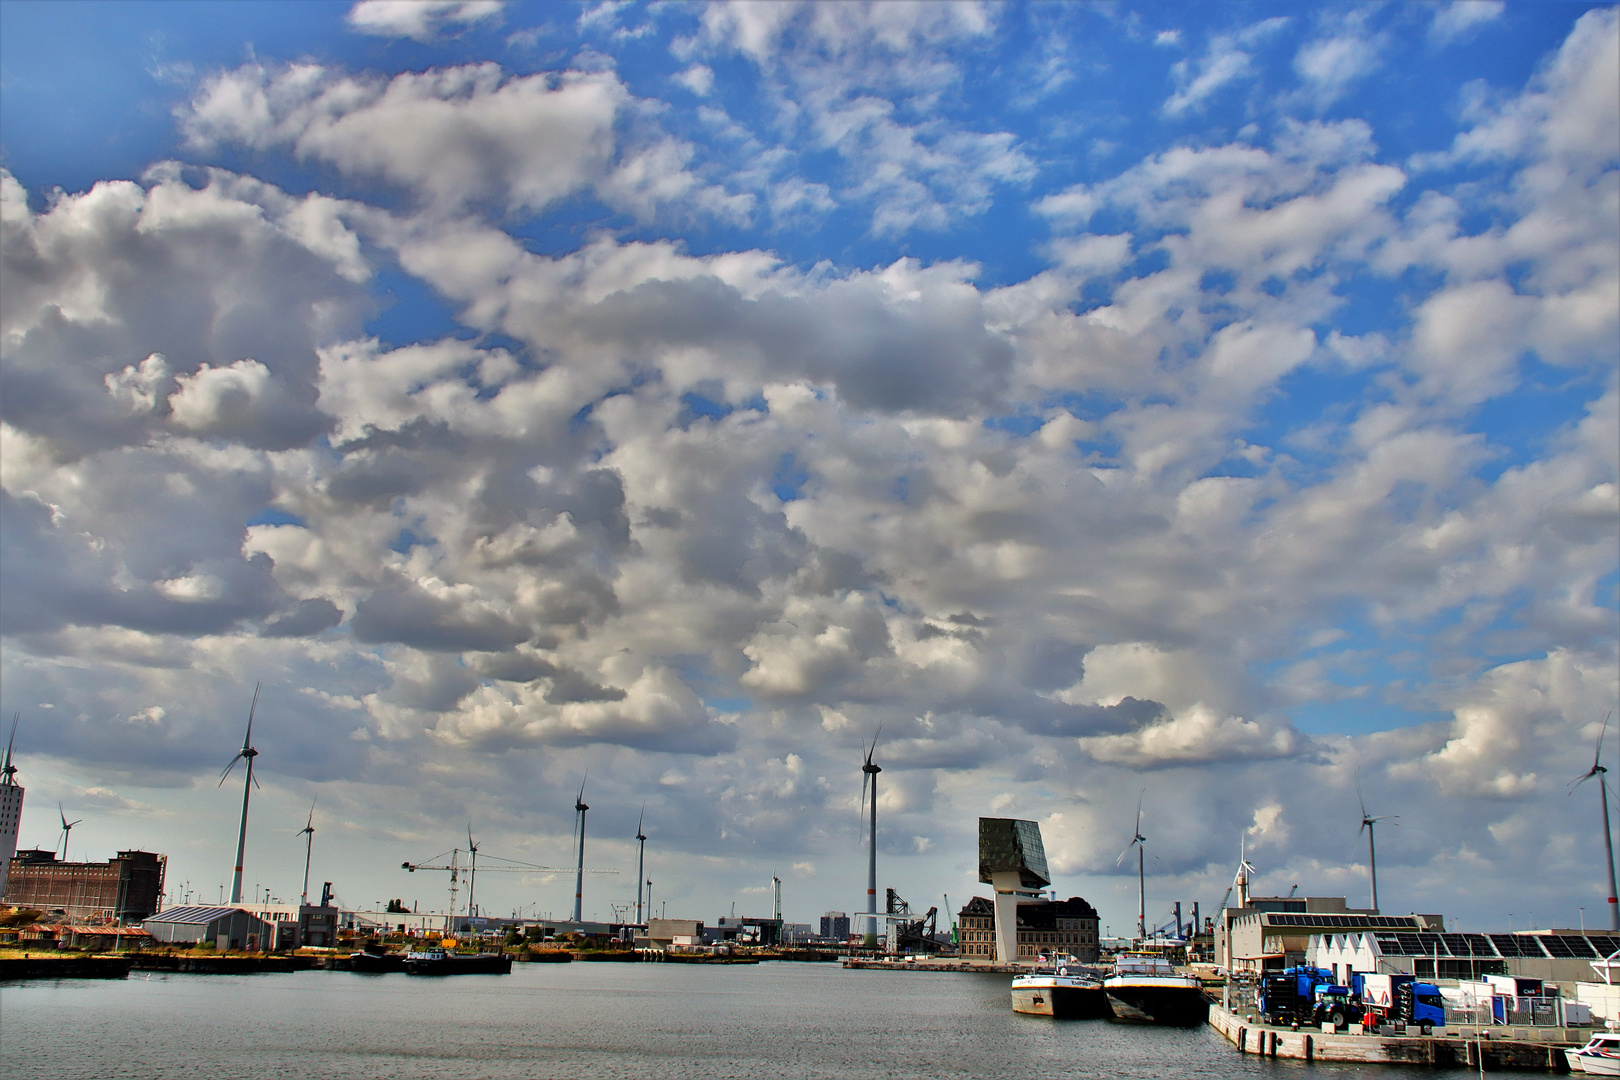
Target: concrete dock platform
(1497, 1054)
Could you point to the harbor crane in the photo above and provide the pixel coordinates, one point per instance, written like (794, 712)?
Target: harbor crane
(456, 868)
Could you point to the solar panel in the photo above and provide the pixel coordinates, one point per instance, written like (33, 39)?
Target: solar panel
(1605, 944)
(1568, 946)
(1517, 945)
(1468, 945)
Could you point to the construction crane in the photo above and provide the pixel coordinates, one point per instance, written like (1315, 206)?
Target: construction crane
(456, 868)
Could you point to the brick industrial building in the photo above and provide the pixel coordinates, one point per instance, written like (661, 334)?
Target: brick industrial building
(1055, 927)
(128, 887)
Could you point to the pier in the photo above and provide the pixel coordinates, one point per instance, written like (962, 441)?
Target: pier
(1536, 1050)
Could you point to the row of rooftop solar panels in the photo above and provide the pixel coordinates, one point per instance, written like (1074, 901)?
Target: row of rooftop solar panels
(1348, 922)
(1507, 946)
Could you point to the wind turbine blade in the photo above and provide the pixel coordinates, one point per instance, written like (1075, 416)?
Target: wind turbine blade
(1361, 801)
(60, 814)
(247, 740)
(1139, 799)
(226, 774)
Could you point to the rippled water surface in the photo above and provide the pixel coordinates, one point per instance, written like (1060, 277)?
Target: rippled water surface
(591, 1020)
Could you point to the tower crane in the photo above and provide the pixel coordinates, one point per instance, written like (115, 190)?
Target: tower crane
(456, 869)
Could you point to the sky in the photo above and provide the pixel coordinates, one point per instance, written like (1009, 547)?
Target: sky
(1211, 407)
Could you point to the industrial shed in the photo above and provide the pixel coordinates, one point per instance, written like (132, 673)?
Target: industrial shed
(222, 927)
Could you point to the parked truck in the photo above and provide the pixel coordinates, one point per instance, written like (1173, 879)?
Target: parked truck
(1398, 999)
(1305, 995)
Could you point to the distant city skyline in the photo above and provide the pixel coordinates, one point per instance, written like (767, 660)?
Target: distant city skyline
(1212, 406)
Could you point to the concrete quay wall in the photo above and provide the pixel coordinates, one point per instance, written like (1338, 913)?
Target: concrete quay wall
(1310, 1044)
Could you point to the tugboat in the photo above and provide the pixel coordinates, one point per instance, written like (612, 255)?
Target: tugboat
(439, 962)
(1062, 992)
(1146, 988)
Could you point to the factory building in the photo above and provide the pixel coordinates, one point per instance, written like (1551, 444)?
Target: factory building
(126, 888)
(1275, 932)
(1054, 927)
(222, 927)
(1548, 955)
(835, 924)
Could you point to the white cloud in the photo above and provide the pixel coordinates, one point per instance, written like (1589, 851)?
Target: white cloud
(1460, 18)
(1330, 65)
(420, 20)
(1227, 59)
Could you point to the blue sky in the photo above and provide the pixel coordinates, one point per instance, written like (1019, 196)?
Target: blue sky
(1190, 397)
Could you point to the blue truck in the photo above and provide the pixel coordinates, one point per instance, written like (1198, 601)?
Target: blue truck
(1399, 999)
(1305, 995)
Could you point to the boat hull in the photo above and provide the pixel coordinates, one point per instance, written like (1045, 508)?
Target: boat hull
(375, 963)
(1592, 1065)
(1175, 1006)
(484, 964)
(1061, 1002)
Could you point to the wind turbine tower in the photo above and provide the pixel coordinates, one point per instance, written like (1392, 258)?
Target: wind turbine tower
(1600, 772)
(579, 872)
(641, 860)
(1367, 826)
(11, 800)
(247, 754)
(472, 873)
(869, 778)
(67, 829)
(308, 833)
(1139, 842)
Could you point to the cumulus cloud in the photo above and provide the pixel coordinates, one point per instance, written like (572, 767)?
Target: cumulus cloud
(700, 518)
(1460, 18)
(421, 20)
(1228, 58)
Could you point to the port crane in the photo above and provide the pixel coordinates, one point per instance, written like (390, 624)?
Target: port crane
(456, 868)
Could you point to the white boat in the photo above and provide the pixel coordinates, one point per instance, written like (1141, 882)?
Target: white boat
(1063, 992)
(1146, 988)
(1600, 1057)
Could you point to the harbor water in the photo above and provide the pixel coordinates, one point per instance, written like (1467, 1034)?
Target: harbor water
(592, 1020)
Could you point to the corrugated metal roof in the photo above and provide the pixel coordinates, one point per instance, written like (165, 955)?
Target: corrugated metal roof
(190, 915)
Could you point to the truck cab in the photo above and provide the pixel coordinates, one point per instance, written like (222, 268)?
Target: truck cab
(1332, 1005)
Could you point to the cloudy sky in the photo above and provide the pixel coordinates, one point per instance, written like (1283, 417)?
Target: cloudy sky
(1209, 404)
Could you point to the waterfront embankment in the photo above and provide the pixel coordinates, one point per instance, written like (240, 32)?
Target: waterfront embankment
(1495, 1051)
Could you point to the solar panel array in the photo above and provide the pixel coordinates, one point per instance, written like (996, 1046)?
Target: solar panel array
(1344, 922)
(1491, 946)
(1568, 947)
(1605, 944)
(1515, 945)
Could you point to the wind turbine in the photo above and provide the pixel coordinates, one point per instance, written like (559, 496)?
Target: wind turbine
(67, 829)
(1599, 771)
(869, 775)
(472, 873)
(247, 754)
(579, 872)
(1139, 842)
(308, 833)
(8, 774)
(1240, 880)
(1367, 826)
(641, 859)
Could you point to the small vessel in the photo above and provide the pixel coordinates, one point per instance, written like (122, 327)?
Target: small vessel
(371, 963)
(439, 962)
(1146, 988)
(1600, 1057)
(1063, 992)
